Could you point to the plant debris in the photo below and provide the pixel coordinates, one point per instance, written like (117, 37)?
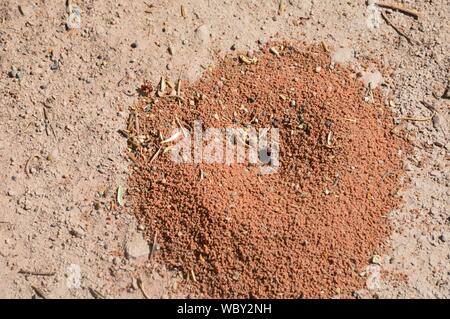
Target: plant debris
(120, 192)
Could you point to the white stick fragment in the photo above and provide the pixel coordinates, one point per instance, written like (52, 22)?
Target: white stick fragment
(174, 137)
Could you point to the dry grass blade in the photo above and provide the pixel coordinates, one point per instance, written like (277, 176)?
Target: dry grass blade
(173, 138)
(182, 128)
(141, 287)
(194, 278)
(416, 119)
(155, 155)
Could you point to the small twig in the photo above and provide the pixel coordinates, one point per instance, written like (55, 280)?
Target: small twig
(179, 88)
(96, 294)
(428, 106)
(417, 119)
(150, 5)
(181, 126)
(193, 275)
(37, 273)
(141, 287)
(400, 32)
(399, 8)
(155, 155)
(154, 245)
(126, 76)
(39, 292)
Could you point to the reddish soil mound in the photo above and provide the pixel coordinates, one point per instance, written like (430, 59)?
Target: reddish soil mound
(305, 231)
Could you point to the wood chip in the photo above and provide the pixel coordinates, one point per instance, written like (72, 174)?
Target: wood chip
(120, 192)
(247, 60)
(274, 50)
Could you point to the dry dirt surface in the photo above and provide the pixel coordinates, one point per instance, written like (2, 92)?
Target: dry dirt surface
(65, 93)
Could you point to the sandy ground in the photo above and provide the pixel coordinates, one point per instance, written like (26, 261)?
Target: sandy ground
(65, 94)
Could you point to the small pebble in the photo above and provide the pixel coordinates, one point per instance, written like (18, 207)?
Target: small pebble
(12, 73)
(134, 45)
(436, 121)
(54, 66)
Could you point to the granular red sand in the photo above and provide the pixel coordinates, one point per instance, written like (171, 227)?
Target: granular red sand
(306, 231)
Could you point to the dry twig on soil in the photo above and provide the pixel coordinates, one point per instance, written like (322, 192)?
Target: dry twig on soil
(37, 273)
(417, 119)
(39, 292)
(96, 294)
(399, 8)
(400, 32)
(141, 287)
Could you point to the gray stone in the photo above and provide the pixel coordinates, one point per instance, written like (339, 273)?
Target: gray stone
(343, 55)
(137, 247)
(436, 121)
(77, 232)
(372, 79)
(12, 74)
(202, 33)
